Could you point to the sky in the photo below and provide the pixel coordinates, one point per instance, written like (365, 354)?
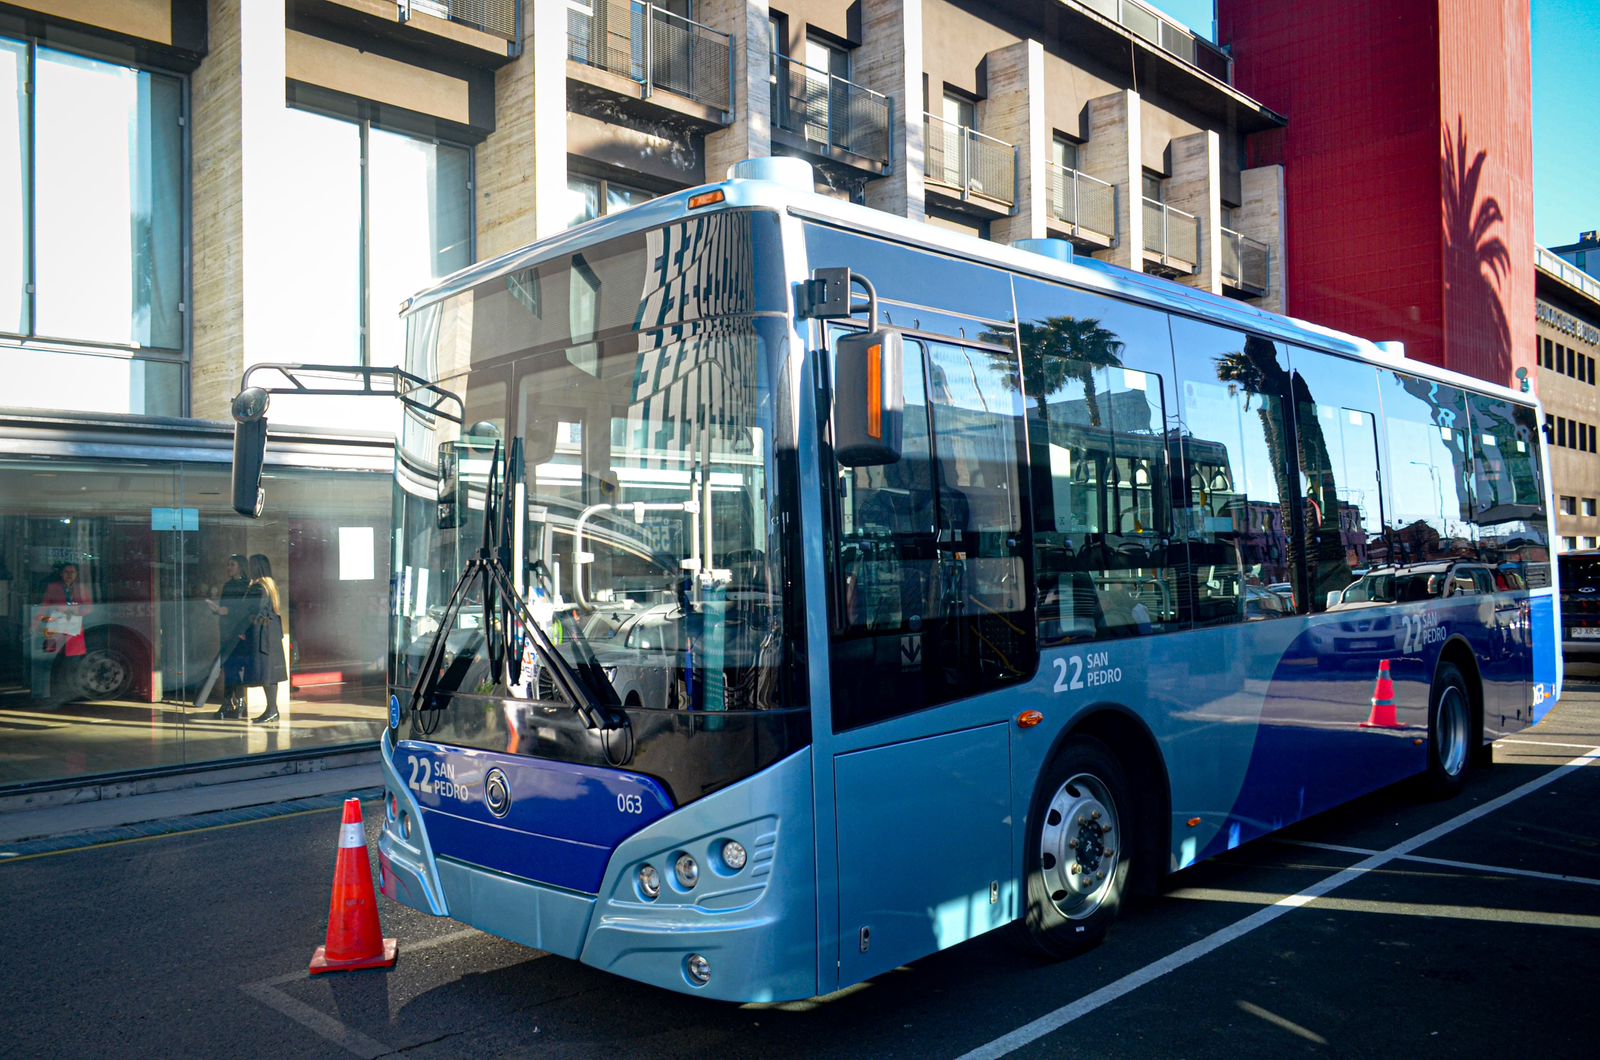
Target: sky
(1566, 111)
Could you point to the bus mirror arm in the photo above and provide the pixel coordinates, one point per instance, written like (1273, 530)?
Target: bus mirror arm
(250, 411)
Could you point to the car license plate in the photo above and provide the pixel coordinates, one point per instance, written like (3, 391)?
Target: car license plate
(1363, 645)
(1586, 632)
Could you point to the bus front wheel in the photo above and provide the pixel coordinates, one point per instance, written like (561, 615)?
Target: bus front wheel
(1078, 847)
(1452, 736)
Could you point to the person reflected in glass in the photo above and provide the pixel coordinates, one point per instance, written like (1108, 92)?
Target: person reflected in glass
(62, 612)
(265, 665)
(232, 623)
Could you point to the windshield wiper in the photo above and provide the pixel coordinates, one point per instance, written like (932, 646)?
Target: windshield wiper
(594, 700)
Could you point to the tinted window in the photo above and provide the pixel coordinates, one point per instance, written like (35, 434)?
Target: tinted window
(1236, 491)
(1335, 404)
(1097, 374)
(930, 579)
(1508, 513)
(1425, 430)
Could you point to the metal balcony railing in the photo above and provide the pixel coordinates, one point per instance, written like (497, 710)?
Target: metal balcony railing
(656, 48)
(826, 109)
(1167, 35)
(498, 17)
(969, 162)
(1081, 202)
(1567, 272)
(1171, 235)
(1246, 262)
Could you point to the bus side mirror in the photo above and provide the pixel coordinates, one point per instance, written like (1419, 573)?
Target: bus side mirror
(249, 451)
(868, 398)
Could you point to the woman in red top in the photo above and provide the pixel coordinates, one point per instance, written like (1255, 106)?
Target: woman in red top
(66, 597)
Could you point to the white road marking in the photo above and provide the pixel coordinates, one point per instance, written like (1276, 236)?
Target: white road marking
(1548, 743)
(336, 1031)
(1499, 870)
(1054, 1021)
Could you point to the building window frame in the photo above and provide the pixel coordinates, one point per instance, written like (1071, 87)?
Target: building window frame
(30, 339)
(365, 126)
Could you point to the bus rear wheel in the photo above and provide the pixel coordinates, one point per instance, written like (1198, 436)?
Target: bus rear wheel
(1078, 846)
(1452, 734)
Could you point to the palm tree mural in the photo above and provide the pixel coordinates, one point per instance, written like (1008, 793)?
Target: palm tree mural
(1475, 259)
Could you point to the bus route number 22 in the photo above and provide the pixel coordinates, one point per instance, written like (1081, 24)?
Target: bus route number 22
(1077, 671)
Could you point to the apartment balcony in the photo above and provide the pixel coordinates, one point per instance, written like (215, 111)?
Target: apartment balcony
(651, 62)
(1171, 240)
(483, 33)
(824, 115)
(965, 166)
(1081, 208)
(1246, 263)
(1169, 36)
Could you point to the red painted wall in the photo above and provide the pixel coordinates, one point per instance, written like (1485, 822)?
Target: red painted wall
(1386, 237)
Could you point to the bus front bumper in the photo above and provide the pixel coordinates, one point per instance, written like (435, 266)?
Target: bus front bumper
(754, 928)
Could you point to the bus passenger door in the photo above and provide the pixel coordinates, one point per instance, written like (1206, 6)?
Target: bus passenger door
(928, 611)
(924, 847)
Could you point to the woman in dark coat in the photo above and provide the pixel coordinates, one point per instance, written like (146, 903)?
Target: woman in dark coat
(233, 622)
(265, 665)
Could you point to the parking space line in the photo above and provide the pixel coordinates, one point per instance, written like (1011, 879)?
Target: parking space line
(1549, 743)
(1499, 870)
(1054, 1021)
(320, 1023)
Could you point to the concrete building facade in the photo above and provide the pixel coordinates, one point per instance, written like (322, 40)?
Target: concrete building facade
(1568, 334)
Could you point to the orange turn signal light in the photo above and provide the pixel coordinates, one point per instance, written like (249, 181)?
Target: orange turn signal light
(1194, 822)
(1028, 719)
(706, 198)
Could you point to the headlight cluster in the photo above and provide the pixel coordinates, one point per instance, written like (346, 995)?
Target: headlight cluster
(686, 870)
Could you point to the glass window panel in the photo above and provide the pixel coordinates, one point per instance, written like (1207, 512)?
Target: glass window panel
(419, 228)
(620, 196)
(1509, 517)
(1335, 403)
(583, 200)
(81, 382)
(14, 165)
(108, 203)
(1096, 375)
(930, 563)
(317, 265)
(1427, 508)
(1237, 497)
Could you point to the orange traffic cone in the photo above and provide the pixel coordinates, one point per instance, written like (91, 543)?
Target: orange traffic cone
(355, 939)
(1383, 714)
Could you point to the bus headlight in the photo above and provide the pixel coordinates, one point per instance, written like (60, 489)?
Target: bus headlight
(649, 882)
(733, 855)
(699, 969)
(688, 872)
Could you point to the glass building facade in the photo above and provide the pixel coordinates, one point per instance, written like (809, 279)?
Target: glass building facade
(141, 512)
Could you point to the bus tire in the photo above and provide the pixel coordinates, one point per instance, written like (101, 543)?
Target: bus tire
(1078, 846)
(1452, 736)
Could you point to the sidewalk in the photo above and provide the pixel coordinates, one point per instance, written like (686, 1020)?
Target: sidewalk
(69, 819)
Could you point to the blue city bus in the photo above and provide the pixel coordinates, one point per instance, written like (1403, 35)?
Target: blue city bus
(788, 591)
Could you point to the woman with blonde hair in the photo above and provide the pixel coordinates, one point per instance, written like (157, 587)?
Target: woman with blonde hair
(265, 663)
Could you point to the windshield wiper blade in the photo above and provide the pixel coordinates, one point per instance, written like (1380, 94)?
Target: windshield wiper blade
(592, 696)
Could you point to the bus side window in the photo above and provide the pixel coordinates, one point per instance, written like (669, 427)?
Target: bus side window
(1426, 508)
(1236, 494)
(1339, 469)
(1507, 488)
(1101, 474)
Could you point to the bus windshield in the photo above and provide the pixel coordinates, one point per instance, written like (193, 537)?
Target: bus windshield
(630, 384)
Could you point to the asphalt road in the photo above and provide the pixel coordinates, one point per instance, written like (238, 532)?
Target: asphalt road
(1390, 927)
